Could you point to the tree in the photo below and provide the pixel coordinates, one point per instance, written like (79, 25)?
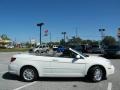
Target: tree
(5, 37)
(89, 42)
(74, 41)
(62, 42)
(28, 44)
(94, 42)
(108, 40)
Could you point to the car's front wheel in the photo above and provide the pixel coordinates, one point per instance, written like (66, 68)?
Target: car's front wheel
(95, 74)
(29, 74)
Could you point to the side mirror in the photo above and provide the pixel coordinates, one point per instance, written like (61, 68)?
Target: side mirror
(77, 56)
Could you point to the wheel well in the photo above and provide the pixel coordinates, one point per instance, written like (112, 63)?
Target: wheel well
(102, 68)
(30, 66)
(36, 50)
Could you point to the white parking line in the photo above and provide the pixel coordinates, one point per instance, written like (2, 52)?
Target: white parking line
(25, 86)
(109, 86)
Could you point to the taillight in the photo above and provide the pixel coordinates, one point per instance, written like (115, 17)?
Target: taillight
(12, 59)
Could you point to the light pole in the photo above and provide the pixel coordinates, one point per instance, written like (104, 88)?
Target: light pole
(64, 33)
(102, 35)
(40, 25)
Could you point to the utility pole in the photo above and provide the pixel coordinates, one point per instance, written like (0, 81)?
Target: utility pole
(40, 25)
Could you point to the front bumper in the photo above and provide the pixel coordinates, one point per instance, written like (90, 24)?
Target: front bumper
(110, 70)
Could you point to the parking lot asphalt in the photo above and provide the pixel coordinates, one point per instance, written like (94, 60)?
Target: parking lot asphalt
(12, 82)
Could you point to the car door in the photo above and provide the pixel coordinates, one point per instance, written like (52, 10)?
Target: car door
(67, 66)
(44, 65)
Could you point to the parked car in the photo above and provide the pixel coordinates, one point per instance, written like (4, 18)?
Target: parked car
(55, 47)
(61, 49)
(95, 49)
(10, 46)
(40, 49)
(113, 50)
(70, 63)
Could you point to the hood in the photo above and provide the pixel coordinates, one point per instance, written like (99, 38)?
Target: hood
(97, 59)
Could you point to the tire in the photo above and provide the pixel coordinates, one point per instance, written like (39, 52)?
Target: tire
(95, 74)
(47, 50)
(28, 74)
(37, 52)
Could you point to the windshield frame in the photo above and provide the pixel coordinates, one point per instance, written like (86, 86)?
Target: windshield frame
(77, 52)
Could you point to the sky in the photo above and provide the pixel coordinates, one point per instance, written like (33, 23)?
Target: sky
(18, 18)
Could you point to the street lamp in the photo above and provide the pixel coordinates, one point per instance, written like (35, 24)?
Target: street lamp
(64, 33)
(40, 25)
(102, 33)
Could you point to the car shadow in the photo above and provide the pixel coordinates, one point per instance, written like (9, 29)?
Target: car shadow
(8, 76)
(63, 79)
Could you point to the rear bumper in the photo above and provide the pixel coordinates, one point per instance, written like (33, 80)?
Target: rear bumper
(13, 69)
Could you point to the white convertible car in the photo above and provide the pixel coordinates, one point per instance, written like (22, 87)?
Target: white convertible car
(70, 63)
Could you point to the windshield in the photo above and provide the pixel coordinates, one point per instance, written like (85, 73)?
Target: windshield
(83, 54)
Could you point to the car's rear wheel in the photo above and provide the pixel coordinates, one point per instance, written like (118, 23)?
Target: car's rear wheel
(95, 74)
(29, 74)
